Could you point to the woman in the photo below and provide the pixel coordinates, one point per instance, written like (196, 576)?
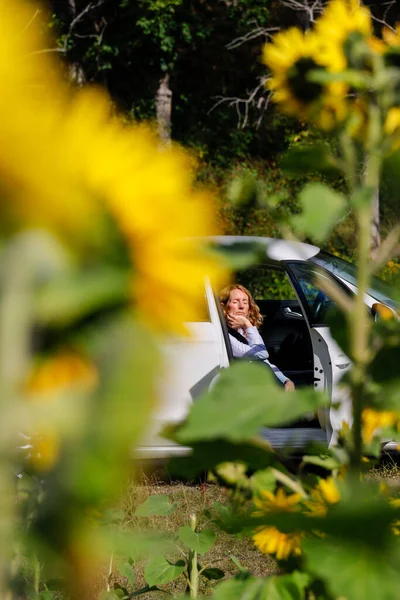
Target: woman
(243, 318)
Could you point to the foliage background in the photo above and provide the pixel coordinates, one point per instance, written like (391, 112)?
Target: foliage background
(128, 45)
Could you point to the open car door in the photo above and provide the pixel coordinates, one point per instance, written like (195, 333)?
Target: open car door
(330, 362)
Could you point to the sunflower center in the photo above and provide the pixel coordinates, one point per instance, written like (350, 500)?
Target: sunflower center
(304, 90)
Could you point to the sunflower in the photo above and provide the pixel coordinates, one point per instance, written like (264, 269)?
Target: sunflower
(392, 36)
(324, 494)
(269, 502)
(68, 163)
(44, 450)
(373, 421)
(342, 25)
(148, 192)
(291, 57)
(269, 539)
(64, 370)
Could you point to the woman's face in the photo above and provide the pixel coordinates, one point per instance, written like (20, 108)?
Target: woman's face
(238, 303)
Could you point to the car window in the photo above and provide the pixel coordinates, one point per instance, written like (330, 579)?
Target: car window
(317, 303)
(266, 283)
(378, 289)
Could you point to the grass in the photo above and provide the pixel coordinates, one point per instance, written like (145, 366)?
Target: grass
(191, 499)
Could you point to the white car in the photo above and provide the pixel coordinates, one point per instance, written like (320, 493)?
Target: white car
(294, 330)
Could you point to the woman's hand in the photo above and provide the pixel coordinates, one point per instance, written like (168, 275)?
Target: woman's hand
(289, 386)
(237, 321)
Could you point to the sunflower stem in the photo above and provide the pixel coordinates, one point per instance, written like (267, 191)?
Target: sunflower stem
(349, 162)
(360, 322)
(192, 564)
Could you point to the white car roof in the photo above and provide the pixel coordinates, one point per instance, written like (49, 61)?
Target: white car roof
(276, 249)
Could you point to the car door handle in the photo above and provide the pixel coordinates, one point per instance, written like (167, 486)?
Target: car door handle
(288, 312)
(342, 365)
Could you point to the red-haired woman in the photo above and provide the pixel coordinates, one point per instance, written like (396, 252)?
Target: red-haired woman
(243, 318)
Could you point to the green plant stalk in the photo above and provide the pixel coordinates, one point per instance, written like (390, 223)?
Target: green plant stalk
(110, 570)
(15, 320)
(192, 564)
(349, 163)
(360, 322)
(36, 574)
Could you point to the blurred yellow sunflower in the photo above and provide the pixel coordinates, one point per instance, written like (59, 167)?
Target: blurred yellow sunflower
(324, 494)
(269, 502)
(65, 371)
(269, 539)
(148, 191)
(44, 451)
(291, 57)
(68, 163)
(392, 36)
(343, 23)
(374, 421)
(35, 189)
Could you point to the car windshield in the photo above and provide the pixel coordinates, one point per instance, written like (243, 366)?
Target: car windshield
(347, 271)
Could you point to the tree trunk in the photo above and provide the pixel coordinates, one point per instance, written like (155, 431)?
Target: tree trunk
(76, 71)
(375, 226)
(77, 74)
(164, 109)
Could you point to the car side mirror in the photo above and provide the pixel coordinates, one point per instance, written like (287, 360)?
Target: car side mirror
(381, 311)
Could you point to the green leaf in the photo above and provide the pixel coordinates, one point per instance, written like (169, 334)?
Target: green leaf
(199, 542)
(322, 208)
(139, 545)
(113, 516)
(388, 397)
(300, 160)
(125, 569)
(213, 573)
(354, 77)
(384, 367)
(287, 587)
(240, 255)
(237, 589)
(112, 595)
(45, 595)
(245, 398)
(159, 570)
(206, 455)
(277, 587)
(238, 564)
(326, 462)
(244, 191)
(263, 480)
(352, 571)
(156, 505)
(74, 296)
